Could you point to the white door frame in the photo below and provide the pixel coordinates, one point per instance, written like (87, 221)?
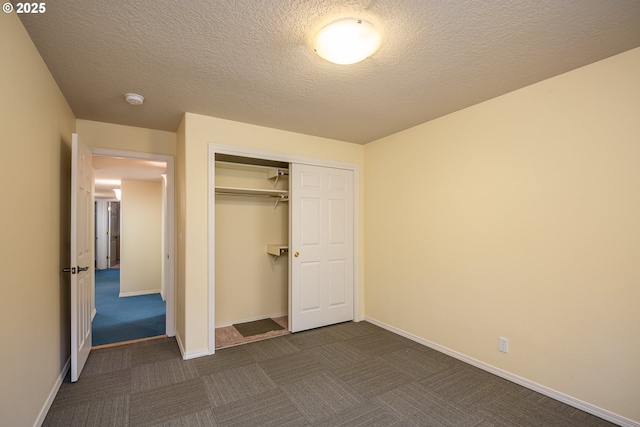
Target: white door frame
(169, 226)
(279, 157)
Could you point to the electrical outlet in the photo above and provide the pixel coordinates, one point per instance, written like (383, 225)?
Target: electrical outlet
(503, 345)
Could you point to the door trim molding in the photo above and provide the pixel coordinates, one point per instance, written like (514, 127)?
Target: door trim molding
(170, 276)
(280, 157)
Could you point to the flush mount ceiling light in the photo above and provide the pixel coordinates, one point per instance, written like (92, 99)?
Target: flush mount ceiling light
(347, 41)
(134, 98)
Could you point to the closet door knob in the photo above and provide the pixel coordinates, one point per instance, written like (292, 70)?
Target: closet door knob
(297, 254)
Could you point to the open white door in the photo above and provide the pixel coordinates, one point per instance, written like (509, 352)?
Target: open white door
(81, 255)
(322, 257)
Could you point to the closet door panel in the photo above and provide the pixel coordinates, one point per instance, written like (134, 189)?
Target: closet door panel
(321, 235)
(310, 287)
(338, 276)
(310, 222)
(310, 180)
(337, 222)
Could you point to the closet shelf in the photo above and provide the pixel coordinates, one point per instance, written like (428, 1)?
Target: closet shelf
(279, 195)
(277, 250)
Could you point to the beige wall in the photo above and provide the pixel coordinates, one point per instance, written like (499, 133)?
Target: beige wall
(250, 284)
(193, 222)
(36, 124)
(141, 237)
(126, 138)
(519, 217)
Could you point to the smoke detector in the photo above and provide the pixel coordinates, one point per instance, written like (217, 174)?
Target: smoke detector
(134, 98)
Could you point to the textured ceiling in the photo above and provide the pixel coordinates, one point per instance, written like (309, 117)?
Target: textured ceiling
(251, 60)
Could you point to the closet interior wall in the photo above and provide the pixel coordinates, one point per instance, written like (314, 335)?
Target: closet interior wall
(250, 283)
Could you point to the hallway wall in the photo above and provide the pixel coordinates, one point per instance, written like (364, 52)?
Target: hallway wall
(141, 238)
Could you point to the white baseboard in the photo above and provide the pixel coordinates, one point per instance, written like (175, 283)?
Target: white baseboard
(564, 398)
(195, 354)
(191, 355)
(137, 293)
(93, 313)
(52, 395)
(252, 319)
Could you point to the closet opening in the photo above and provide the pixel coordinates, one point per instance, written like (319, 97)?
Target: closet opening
(251, 249)
(282, 241)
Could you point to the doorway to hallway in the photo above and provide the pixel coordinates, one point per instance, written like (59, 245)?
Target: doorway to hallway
(134, 258)
(128, 301)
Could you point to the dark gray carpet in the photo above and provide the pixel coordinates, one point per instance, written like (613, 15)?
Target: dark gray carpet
(352, 374)
(257, 327)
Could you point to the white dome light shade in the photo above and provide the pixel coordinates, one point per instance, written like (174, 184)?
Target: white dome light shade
(347, 41)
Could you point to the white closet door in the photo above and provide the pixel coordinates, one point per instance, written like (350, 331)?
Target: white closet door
(321, 246)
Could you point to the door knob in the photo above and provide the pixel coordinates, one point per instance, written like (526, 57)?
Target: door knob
(82, 269)
(297, 254)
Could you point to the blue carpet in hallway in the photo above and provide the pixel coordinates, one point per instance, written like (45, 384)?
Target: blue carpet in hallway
(123, 319)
